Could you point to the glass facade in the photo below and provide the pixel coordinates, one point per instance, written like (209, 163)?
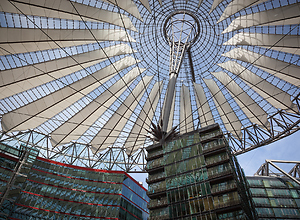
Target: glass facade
(275, 198)
(52, 190)
(196, 177)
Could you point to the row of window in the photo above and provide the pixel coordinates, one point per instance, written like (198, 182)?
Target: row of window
(7, 163)
(213, 144)
(155, 163)
(190, 192)
(191, 207)
(277, 212)
(275, 192)
(131, 212)
(135, 198)
(27, 213)
(272, 183)
(32, 153)
(71, 195)
(236, 215)
(74, 183)
(220, 169)
(160, 212)
(78, 173)
(216, 158)
(211, 134)
(5, 174)
(228, 199)
(157, 187)
(181, 167)
(204, 204)
(276, 202)
(187, 179)
(136, 188)
(218, 187)
(64, 205)
(182, 154)
(46, 206)
(181, 143)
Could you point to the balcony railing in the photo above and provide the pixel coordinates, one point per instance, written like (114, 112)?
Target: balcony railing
(227, 204)
(161, 217)
(154, 154)
(156, 177)
(211, 161)
(210, 135)
(158, 203)
(266, 215)
(261, 195)
(158, 189)
(218, 189)
(155, 163)
(218, 174)
(212, 147)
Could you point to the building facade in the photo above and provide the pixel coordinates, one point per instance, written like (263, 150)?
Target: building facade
(37, 188)
(275, 197)
(196, 177)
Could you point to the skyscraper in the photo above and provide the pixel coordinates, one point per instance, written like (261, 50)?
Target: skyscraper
(195, 176)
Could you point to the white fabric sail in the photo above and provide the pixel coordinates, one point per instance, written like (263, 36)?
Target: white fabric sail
(24, 78)
(83, 120)
(204, 111)
(228, 116)
(275, 96)
(186, 117)
(65, 9)
(127, 5)
(283, 70)
(68, 66)
(286, 15)
(253, 111)
(281, 42)
(37, 112)
(236, 6)
(107, 136)
(19, 40)
(138, 134)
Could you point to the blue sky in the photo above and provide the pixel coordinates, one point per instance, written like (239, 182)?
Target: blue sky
(285, 149)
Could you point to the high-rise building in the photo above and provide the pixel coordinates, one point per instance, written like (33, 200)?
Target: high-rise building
(195, 176)
(275, 197)
(36, 188)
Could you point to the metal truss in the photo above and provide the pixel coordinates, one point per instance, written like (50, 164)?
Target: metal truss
(294, 173)
(79, 154)
(282, 124)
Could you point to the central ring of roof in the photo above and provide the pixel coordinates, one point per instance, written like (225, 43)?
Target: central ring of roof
(207, 47)
(181, 28)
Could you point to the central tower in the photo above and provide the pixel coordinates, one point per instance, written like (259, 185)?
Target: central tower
(181, 29)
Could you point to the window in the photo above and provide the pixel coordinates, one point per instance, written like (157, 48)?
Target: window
(261, 201)
(255, 182)
(258, 192)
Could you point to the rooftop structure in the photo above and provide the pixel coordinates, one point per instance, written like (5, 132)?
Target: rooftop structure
(86, 80)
